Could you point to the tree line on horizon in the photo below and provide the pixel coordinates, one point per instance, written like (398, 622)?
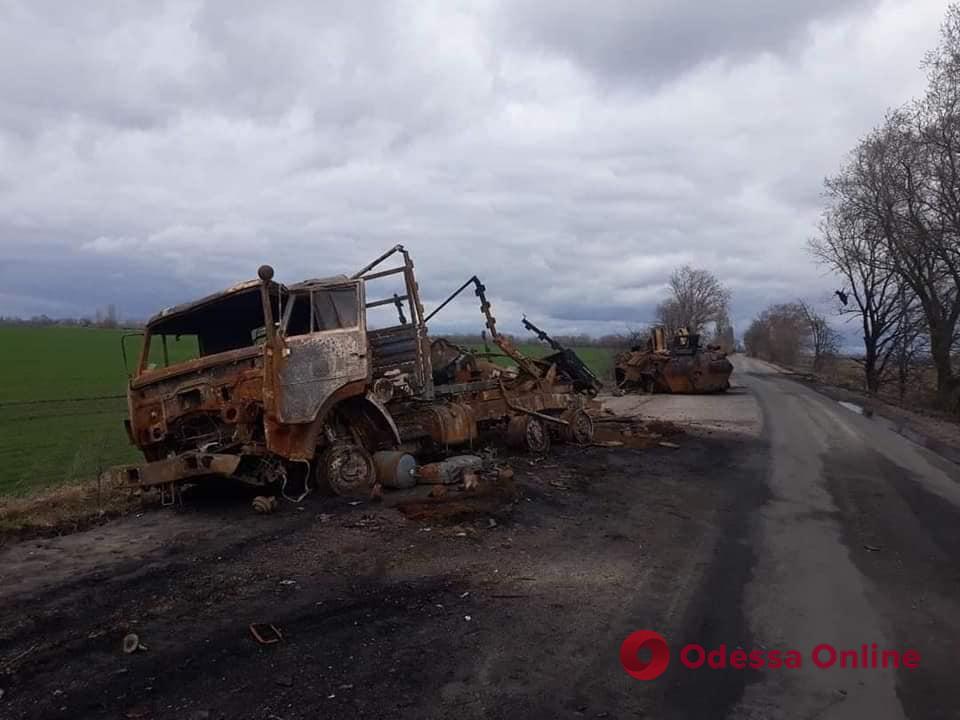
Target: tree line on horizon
(106, 317)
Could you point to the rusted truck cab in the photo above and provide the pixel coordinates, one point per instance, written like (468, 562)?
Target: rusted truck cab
(246, 382)
(196, 395)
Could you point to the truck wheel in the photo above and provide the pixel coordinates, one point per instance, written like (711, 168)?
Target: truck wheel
(580, 428)
(348, 470)
(529, 433)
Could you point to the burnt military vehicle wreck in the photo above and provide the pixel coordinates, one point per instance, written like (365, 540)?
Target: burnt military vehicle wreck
(286, 379)
(683, 366)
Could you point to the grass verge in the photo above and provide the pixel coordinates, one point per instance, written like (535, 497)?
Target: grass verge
(64, 509)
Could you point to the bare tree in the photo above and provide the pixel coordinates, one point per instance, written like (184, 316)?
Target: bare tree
(636, 337)
(778, 334)
(902, 182)
(697, 298)
(910, 343)
(824, 340)
(723, 333)
(850, 244)
(889, 181)
(907, 174)
(669, 315)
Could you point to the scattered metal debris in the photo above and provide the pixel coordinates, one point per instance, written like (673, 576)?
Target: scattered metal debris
(683, 367)
(265, 504)
(449, 471)
(8, 666)
(266, 633)
(131, 644)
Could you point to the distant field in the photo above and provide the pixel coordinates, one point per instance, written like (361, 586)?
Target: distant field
(598, 359)
(58, 420)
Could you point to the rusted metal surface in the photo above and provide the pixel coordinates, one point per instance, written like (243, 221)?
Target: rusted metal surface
(445, 424)
(528, 432)
(579, 428)
(395, 469)
(312, 368)
(291, 374)
(682, 367)
(176, 469)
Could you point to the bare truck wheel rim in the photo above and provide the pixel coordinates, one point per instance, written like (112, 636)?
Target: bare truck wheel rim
(582, 428)
(536, 439)
(348, 470)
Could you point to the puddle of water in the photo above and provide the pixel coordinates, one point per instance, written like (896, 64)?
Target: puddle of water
(852, 406)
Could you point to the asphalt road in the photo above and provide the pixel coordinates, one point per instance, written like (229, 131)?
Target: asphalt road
(858, 543)
(781, 520)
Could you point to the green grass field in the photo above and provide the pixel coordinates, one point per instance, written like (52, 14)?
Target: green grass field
(599, 360)
(58, 421)
(48, 433)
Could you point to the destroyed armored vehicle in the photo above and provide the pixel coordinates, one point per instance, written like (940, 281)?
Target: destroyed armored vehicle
(290, 379)
(683, 367)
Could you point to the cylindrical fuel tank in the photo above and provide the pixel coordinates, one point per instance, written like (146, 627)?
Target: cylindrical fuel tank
(395, 469)
(450, 424)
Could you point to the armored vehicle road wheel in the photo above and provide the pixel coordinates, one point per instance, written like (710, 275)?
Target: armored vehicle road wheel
(530, 433)
(348, 470)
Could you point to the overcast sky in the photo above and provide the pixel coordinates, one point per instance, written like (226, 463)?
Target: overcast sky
(569, 153)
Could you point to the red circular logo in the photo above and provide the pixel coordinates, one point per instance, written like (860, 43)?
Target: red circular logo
(630, 654)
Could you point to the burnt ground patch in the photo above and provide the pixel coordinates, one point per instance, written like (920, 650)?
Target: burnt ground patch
(715, 615)
(514, 611)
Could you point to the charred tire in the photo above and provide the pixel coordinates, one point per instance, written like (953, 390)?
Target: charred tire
(348, 470)
(579, 429)
(529, 433)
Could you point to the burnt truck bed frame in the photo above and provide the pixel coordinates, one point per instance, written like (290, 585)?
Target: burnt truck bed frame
(464, 407)
(324, 391)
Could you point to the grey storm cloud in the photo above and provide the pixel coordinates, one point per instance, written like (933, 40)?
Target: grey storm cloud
(652, 40)
(570, 154)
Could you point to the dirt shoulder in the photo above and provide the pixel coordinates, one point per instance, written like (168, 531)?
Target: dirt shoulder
(518, 610)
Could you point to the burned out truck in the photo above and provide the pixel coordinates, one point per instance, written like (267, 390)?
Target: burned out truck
(283, 380)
